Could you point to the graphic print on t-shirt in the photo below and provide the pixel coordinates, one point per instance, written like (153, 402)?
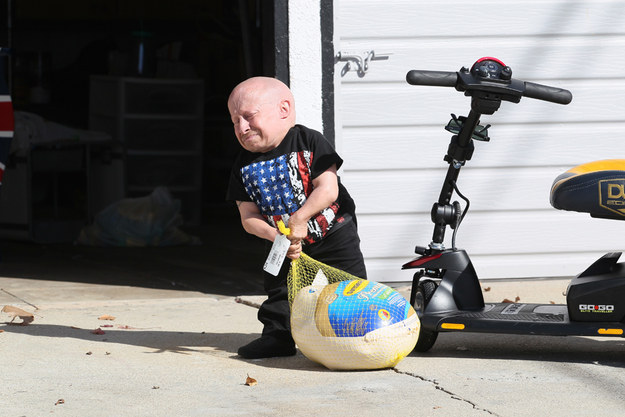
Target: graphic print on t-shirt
(277, 186)
(280, 187)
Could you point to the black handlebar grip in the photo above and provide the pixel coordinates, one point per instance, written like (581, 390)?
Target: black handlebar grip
(544, 92)
(436, 78)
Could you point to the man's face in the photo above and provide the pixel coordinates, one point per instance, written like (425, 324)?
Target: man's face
(256, 119)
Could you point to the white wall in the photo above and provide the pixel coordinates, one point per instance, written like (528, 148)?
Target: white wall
(392, 139)
(305, 61)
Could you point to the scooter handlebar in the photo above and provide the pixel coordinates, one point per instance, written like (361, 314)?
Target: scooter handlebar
(547, 93)
(525, 88)
(435, 78)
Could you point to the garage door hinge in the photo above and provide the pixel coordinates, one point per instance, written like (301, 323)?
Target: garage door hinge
(358, 62)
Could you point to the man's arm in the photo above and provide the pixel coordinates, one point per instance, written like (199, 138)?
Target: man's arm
(254, 223)
(325, 192)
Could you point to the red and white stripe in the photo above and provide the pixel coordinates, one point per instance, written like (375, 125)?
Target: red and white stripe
(6, 130)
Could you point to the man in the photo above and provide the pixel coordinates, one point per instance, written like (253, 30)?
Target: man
(287, 172)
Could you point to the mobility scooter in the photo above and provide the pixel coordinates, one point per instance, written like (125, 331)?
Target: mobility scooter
(446, 292)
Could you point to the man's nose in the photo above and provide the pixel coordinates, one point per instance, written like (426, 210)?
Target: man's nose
(243, 125)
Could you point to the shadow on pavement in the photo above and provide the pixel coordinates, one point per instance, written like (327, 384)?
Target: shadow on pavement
(160, 341)
(603, 351)
(228, 262)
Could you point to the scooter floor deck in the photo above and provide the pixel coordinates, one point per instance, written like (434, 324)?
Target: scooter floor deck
(517, 318)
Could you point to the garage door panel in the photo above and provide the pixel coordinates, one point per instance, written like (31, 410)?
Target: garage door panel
(548, 231)
(423, 147)
(517, 244)
(539, 57)
(405, 105)
(478, 19)
(409, 191)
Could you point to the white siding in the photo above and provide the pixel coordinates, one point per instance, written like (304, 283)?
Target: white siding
(305, 61)
(393, 141)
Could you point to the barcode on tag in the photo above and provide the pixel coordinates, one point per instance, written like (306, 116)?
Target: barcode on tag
(277, 254)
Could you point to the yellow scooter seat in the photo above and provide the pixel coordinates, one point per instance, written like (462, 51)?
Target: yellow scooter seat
(597, 188)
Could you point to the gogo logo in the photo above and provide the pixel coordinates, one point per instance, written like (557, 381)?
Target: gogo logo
(596, 308)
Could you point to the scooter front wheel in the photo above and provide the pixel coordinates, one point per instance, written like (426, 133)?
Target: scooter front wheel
(420, 296)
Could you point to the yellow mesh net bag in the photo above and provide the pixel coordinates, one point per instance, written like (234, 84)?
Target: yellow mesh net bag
(305, 271)
(347, 323)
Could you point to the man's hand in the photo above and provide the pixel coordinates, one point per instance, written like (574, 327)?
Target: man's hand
(325, 192)
(298, 228)
(295, 250)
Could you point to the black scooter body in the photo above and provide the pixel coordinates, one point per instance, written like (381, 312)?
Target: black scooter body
(597, 294)
(595, 301)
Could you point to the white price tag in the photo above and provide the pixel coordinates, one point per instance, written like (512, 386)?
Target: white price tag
(277, 254)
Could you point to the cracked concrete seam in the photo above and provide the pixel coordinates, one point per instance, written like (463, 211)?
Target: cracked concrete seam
(446, 391)
(18, 298)
(436, 385)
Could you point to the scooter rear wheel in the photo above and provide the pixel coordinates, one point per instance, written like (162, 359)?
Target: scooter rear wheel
(420, 296)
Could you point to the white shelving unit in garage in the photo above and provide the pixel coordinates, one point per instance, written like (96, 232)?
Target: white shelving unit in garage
(160, 124)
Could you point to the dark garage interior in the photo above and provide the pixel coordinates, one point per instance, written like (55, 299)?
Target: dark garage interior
(112, 99)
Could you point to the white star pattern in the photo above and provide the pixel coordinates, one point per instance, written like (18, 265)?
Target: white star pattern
(277, 185)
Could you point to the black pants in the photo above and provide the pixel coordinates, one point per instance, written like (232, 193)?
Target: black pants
(340, 249)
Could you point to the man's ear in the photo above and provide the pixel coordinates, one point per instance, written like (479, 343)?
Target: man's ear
(285, 109)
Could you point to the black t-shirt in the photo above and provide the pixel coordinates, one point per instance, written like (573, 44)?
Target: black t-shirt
(280, 181)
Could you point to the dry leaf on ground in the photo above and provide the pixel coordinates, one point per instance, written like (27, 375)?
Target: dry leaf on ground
(487, 289)
(250, 381)
(98, 331)
(26, 317)
(106, 317)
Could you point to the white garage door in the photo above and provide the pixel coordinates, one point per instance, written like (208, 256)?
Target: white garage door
(391, 133)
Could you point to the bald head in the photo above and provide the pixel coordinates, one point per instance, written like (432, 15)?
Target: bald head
(262, 111)
(263, 87)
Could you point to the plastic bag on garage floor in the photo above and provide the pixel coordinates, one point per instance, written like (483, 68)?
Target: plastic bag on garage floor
(152, 220)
